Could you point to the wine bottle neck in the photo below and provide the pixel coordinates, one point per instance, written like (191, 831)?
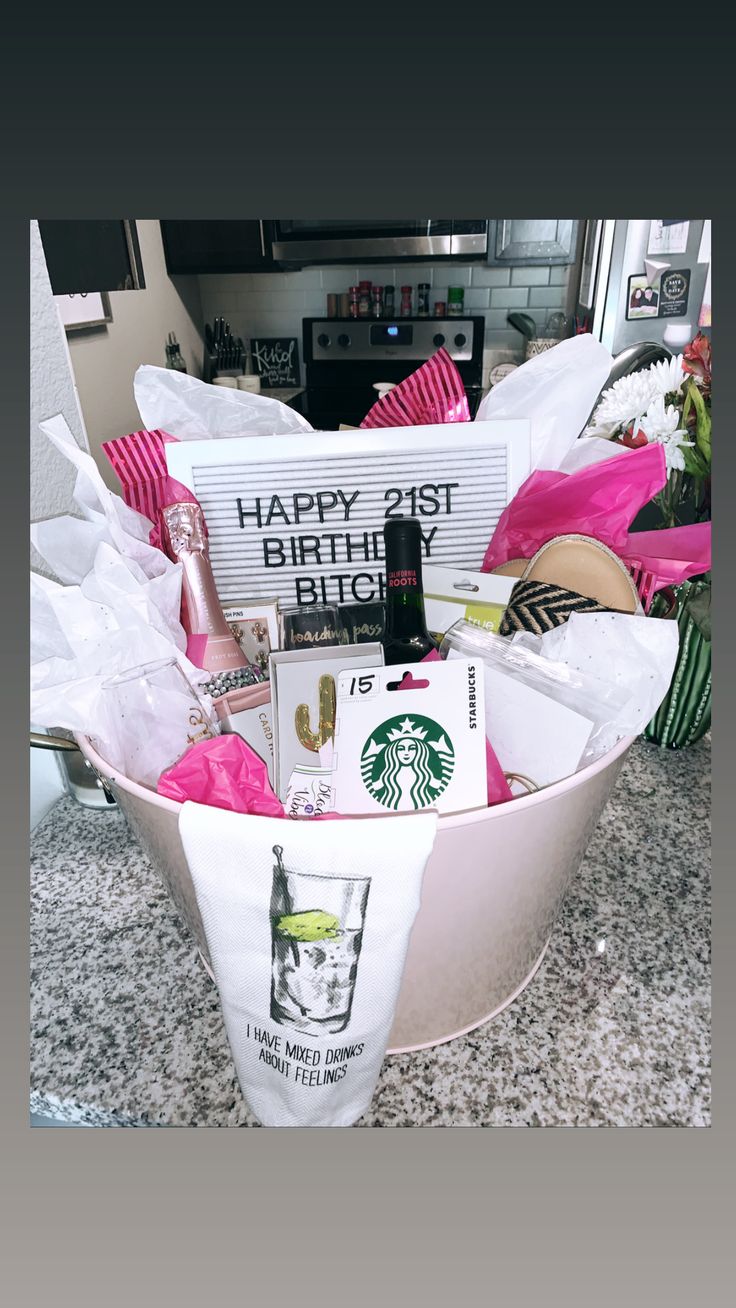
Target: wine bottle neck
(404, 596)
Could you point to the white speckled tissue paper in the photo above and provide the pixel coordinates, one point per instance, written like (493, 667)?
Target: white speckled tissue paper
(627, 650)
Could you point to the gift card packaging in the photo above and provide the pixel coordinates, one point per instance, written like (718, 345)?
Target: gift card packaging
(255, 625)
(247, 713)
(408, 739)
(303, 701)
(452, 593)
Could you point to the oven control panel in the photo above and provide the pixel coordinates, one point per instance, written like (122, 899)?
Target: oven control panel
(368, 339)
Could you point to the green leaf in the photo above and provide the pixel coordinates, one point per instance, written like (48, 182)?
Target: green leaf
(703, 428)
(687, 406)
(698, 608)
(694, 462)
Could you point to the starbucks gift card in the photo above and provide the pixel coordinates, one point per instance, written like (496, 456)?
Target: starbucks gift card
(409, 738)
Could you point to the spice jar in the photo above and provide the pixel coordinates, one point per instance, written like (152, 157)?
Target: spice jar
(440, 309)
(354, 297)
(406, 302)
(388, 301)
(377, 301)
(455, 302)
(423, 300)
(364, 300)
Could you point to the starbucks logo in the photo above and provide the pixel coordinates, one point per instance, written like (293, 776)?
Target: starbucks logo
(407, 762)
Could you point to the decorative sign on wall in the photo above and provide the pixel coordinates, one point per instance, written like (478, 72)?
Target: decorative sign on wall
(276, 360)
(301, 517)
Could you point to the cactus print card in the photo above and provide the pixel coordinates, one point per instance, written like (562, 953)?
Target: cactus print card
(303, 701)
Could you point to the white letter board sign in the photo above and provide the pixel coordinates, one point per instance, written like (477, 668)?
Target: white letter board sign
(301, 516)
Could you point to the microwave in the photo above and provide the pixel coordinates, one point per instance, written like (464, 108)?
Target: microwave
(365, 240)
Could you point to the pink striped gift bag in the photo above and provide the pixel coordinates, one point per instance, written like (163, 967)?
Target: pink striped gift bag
(433, 394)
(139, 462)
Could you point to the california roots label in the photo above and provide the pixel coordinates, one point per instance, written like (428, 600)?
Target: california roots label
(407, 762)
(402, 579)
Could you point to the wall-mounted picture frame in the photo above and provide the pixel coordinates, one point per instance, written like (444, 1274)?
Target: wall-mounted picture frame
(85, 309)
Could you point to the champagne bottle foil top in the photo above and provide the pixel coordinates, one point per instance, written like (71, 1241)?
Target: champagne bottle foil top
(185, 528)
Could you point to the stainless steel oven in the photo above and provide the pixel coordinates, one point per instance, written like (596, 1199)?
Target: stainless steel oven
(365, 240)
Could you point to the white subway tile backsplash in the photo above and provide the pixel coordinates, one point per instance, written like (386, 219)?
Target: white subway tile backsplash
(476, 297)
(378, 276)
(496, 320)
(482, 276)
(509, 297)
(552, 297)
(559, 275)
(273, 301)
(506, 340)
(410, 274)
(275, 281)
(338, 279)
(315, 305)
(530, 276)
(274, 324)
(306, 279)
(215, 283)
(220, 304)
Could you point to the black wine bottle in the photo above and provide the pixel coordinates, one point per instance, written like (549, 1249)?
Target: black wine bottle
(406, 639)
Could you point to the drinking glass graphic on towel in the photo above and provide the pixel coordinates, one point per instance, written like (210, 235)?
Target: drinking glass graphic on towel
(316, 935)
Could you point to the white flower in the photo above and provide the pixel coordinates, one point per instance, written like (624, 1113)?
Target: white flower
(605, 430)
(668, 375)
(628, 398)
(662, 425)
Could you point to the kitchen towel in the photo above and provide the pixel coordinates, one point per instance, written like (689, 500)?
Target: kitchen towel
(307, 927)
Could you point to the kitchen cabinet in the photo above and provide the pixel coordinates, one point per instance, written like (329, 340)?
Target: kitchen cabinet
(528, 241)
(191, 246)
(85, 256)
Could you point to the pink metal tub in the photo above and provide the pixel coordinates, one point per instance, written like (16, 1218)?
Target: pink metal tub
(491, 893)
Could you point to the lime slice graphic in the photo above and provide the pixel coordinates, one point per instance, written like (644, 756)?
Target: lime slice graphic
(314, 924)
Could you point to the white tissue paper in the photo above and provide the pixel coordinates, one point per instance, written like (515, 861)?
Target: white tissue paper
(556, 391)
(119, 607)
(193, 410)
(633, 652)
(308, 947)
(69, 544)
(587, 450)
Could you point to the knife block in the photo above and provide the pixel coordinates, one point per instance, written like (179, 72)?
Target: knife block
(210, 368)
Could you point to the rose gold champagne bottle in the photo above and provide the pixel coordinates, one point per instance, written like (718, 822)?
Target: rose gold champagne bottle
(202, 616)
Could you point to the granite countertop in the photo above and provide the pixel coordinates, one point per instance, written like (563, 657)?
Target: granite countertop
(614, 1030)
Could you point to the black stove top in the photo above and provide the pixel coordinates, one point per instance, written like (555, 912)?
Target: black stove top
(325, 408)
(344, 358)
